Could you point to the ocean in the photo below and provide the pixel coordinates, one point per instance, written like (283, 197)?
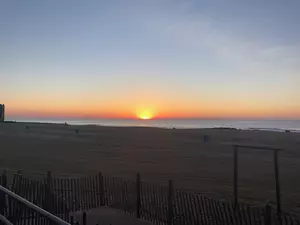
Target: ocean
(271, 125)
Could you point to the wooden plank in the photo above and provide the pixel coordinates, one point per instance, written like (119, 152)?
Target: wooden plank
(126, 197)
(112, 188)
(29, 213)
(118, 192)
(69, 195)
(216, 205)
(160, 206)
(72, 194)
(164, 197)
(106, 190)
(97, 186)
(213, 211)
(149, 209)
(235, 176)
(2, 195)
(93, 192)
(84, 218)
(164, 203)
(277, 182)
(57, 194)
(37, 188)
(153, 204)
(56, 197)
(239, 214)
(23, 190)
(225, 213)
(157, 203)
(207, 211)
(170, 202)
(138, 196)
(193, 209)
(67, 198)
(33, 201)
(65, 193)
(259, 216)
(89, 192)
(268, 220)
(48, 192)
(85, 191)
(123, 197)
(184, 211)
(200, 211)
(24, 210)
(82, 199)
(185, 207)
(244, 215)
(145, 202)
(190, 208)
(61, 195)
(77, 194)
(250, 214)
(89, 187)
(30, 198)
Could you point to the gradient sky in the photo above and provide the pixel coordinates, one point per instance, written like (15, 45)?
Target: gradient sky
(93, 58)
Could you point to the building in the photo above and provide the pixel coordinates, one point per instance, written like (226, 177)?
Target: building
(2, 113)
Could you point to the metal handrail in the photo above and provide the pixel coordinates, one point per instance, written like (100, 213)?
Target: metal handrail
(4, 220)
(43, 212)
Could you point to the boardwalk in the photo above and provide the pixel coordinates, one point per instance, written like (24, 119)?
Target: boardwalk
(108, 216)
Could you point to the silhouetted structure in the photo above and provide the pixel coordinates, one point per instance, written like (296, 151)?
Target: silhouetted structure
(2, 113)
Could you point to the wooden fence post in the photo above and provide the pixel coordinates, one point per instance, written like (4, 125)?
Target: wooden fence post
(268, 218)
(49, 192)
(170, 203)
(235, 177)
(138, 196)
(2, 196)
(278, 194)
(84, 218)
(101, 189)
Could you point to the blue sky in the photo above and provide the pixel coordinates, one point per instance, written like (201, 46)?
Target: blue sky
(178, 58)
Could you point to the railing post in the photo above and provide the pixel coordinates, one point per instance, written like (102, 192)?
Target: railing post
(268, 218)
(101, 189)
(138, 196)
(170, 203)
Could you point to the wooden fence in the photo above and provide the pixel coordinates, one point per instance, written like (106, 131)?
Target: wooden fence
(162, 205)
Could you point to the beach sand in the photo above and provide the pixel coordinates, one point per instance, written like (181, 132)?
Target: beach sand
(158, 154)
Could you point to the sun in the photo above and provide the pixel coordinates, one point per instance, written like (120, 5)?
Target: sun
(145, 115)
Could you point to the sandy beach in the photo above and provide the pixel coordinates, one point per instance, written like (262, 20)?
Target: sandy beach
(158, 154)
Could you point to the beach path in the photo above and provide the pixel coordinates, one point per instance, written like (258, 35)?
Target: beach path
(109, 216)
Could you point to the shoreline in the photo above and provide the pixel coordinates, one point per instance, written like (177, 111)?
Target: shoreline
(281, 130)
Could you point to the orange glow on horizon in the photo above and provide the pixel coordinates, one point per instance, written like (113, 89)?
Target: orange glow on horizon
(145, 115)
(155, 109)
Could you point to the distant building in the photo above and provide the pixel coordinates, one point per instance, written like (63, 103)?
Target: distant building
(2, 113)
